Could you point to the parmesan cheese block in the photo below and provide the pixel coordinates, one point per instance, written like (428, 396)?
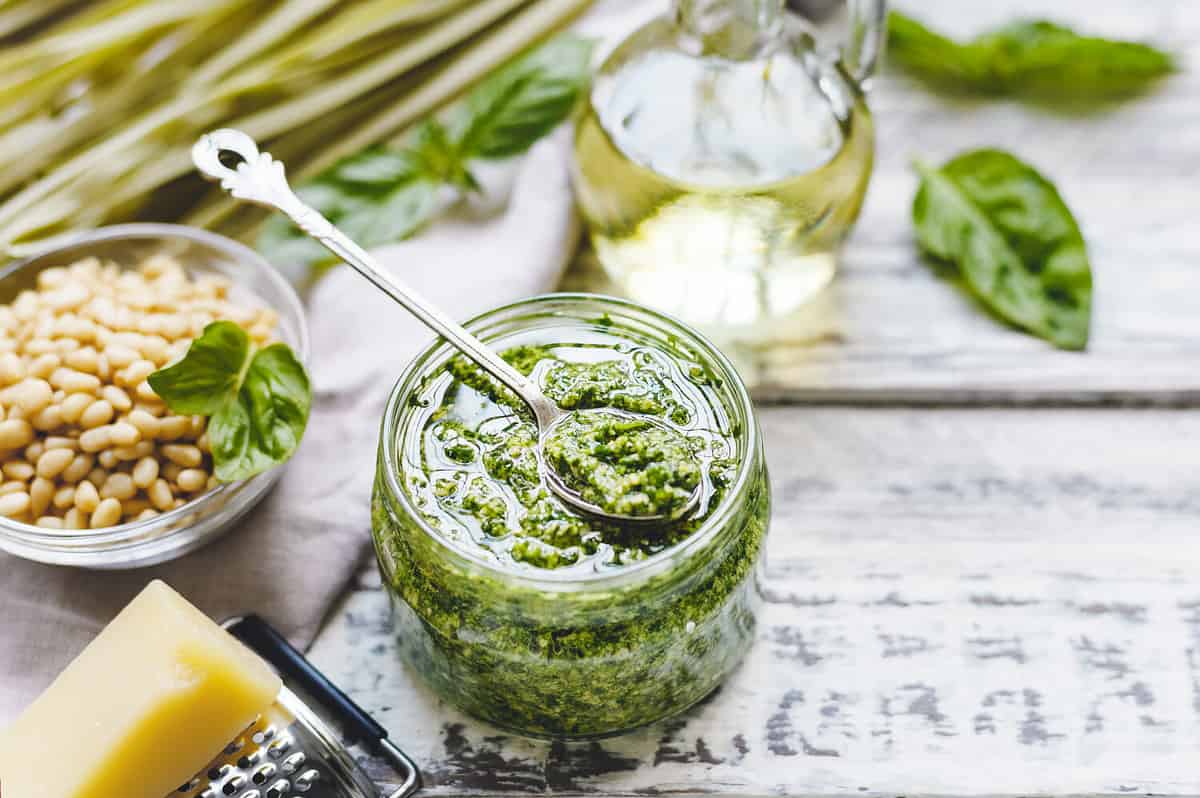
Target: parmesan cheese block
(147, 705)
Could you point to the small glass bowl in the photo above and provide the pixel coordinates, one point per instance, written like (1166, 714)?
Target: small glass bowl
(202, 520)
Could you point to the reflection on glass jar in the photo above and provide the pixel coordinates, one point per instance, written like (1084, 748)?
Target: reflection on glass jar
(525, 614)
(722, 160)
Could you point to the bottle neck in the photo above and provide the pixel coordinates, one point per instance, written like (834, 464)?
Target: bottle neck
(735, 29)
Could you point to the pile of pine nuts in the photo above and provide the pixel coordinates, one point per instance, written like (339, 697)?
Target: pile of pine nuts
(85, 443)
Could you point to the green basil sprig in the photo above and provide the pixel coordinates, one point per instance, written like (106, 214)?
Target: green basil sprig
(387, 193)
(257, 400)
(1013, 239)
(1031, 59)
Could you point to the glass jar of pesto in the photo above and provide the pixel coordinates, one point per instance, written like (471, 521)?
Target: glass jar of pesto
(534, 618)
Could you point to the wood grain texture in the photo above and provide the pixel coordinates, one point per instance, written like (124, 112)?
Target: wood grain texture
(962, 601)
(893, 328)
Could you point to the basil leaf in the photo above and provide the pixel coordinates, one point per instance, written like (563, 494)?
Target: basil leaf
(208, 374)
(263, 425)
(1033, 59)
(388, 193)
(525, 100)
(375, 198)
(1014, 240)
(257, 402)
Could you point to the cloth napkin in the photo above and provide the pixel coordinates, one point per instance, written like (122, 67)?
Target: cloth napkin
(291, 557)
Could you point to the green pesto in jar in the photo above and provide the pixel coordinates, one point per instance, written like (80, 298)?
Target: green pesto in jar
(521, 611)
(663, 435)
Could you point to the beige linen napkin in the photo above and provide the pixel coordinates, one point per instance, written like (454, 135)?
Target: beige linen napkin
(290, 557)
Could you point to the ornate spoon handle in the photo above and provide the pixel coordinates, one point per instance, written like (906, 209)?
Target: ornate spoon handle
(259, 178)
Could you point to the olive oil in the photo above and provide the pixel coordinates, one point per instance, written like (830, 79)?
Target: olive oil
(719, 187)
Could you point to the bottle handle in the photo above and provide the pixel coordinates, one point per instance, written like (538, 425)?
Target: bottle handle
(866, 37)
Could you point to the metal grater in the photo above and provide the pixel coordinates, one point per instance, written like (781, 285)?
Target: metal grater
(290, 751)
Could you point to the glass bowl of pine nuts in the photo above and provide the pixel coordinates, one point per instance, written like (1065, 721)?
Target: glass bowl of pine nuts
(95, 472)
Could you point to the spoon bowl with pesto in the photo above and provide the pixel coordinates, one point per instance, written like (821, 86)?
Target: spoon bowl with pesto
(616, 465)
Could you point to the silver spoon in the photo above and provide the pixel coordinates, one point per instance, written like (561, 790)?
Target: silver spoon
(259, 178)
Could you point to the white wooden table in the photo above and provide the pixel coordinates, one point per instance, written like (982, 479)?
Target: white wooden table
(984, 568)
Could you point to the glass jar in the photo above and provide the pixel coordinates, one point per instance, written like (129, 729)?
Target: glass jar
(559, 653)
(724, 157)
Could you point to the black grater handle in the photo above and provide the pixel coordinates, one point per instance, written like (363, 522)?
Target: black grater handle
(295, 669)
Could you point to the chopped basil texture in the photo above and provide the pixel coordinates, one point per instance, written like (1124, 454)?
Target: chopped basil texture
(625, 465)
(481, 482)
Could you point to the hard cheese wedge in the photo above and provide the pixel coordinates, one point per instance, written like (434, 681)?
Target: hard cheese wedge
(159, 693)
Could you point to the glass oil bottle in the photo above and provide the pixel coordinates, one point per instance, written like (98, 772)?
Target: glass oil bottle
(723, 158)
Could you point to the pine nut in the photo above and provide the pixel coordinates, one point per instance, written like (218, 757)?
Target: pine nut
(60, 442)
(183, 455)
(48, 418)
(97, 414)
(43, 365)
(41, 493)
(145, 472)
(108, 459)
(147, 514)
(73, 381)
(160, 496)
(136, 372)
(73, 406)
(15, 486)
(94, 440)
(12, 369)
(50, 522)
(191, 480)
(86, 360)
(120, 357)
(117, 398)
(64, 497)
(97, 476)
(146, 424)
(34, 450)
(18, 469)
(15, 433)
(74, 519)
(14, 504)
(79, 468)
(119, 486)
(86, 496)
(30, 394)
(155, 349)
(53, 462)
(123, 433)
(107, 513)
(135, 452)
(173, 427)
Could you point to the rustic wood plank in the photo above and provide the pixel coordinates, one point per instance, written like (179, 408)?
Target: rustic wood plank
(960, 601)
(892, 328)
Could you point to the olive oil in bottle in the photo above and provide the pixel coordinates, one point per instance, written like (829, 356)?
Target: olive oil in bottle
(721, 162)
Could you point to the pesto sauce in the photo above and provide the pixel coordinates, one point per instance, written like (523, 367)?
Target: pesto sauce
(579, 663)
(625, 465)
(481, 481)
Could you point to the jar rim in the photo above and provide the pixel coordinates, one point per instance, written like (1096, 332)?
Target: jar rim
(551, 580)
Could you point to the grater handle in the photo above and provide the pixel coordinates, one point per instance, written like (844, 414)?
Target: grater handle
(269, 644)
